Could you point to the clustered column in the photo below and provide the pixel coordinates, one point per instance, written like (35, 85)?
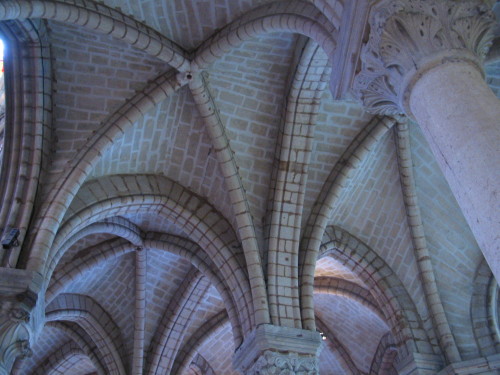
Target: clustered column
(424, 60)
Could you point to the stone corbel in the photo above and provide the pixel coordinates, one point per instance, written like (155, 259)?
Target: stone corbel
(20, 316)
(408, 38)
(15, 333)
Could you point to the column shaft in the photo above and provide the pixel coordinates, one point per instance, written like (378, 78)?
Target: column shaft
(460, 117)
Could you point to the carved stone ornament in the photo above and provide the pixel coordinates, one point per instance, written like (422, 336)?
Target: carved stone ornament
(274, 363)
(409, 37)
(14, 334)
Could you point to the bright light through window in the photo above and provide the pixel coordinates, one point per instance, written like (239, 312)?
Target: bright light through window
(1, 59)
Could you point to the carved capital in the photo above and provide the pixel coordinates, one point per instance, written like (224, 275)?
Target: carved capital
(14, 333)
(274, 363)
(17, 315)
(409, 37)
(279, 350)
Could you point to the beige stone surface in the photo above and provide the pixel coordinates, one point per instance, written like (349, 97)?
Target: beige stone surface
(203, 136)
(459, 116)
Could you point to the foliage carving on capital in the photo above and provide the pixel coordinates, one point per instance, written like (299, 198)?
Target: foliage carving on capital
(14, 333)
(409, 36)
(275, 363)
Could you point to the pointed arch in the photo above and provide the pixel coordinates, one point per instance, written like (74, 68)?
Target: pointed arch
(169, 335)
(182, 247)
(484, 311)
(337, 181)
(198, 219)
(289, 178)
(61, 359)
(398, 307)
(80, 337)
(291, 16)
(201, 365)
(95, 321)
(187, 352)
(345, 288)
(59, 199)
(102, 19)
(340, 352)
(383, 360)
(28, 113)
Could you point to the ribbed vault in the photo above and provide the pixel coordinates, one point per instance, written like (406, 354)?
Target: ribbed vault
(184, 173)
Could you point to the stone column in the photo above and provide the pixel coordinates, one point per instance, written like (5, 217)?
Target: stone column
(279, 350)
(424, 60)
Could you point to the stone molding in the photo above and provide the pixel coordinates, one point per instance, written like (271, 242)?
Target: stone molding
(350, 40)
(419, 364)
(277, 350)
(473, 366)
(408, 38)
